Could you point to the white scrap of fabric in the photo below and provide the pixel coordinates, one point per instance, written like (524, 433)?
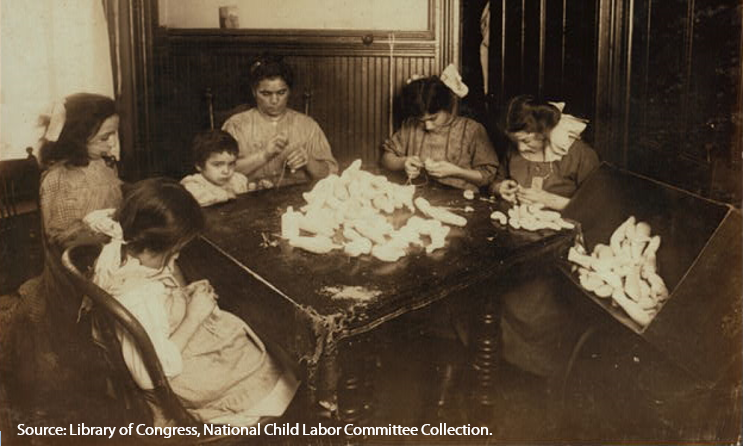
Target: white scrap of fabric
(484, 45)
(350, 292)
(102, 221)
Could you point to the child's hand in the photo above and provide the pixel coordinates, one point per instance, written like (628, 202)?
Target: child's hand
(297, 159)
(441, 169)
(276, 144)
(202, 304)
(530, 196)
(199, 286)
(413, 165)
(507, 189)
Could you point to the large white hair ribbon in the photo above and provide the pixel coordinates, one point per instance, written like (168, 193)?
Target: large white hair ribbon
(57, 118)
(452, 79)
(565, 133)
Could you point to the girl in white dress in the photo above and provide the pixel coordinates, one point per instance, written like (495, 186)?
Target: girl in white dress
(215, 363)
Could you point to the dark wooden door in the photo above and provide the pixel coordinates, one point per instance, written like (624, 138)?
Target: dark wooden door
(659, 80)
(684, 122)
(545, 48)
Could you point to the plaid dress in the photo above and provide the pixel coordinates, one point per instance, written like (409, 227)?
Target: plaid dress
(70, 193)
(49, 301)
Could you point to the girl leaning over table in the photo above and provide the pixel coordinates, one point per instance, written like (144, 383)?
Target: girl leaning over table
(452, 149)
(546, 163)
(215, 363)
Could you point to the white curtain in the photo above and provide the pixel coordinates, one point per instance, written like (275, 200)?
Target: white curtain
(485, 45)
(48, 50)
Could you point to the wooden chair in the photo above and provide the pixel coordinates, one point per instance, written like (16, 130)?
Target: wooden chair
(108, 314)
(160, 403)
(19, 190)
(218, 117)
(20, 229)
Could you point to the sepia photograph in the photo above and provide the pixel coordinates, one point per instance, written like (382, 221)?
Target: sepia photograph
(382, 222)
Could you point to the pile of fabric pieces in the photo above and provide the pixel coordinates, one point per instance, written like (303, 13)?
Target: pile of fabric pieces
(532, 217)
(353, 212)
(626, 270)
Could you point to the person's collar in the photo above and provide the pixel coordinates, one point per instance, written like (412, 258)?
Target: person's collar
(272, 119)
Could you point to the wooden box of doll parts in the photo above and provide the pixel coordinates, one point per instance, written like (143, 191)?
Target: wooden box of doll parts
(663, 262)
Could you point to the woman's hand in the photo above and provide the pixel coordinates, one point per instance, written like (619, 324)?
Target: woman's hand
(442, 169)
(276, 145)
(550, 200)
(297, 159)
(413, 165)
(507, 190)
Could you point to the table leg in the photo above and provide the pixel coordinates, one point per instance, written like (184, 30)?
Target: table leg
(485, 353)
(355, 384)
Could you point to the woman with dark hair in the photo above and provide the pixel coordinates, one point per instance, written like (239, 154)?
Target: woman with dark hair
(453, 149)
(273, 138)
(214, 362)
(546, 161)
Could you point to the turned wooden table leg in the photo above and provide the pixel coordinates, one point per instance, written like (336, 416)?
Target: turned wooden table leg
(485, 353)
(355, 383)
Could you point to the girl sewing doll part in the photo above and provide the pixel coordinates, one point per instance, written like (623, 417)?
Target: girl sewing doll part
(546, 163)
(215, 363)
(547, 160)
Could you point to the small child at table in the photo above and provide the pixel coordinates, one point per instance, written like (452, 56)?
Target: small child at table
(215, 156)
(214, 362)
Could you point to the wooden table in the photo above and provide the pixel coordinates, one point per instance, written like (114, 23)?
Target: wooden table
(308, 305)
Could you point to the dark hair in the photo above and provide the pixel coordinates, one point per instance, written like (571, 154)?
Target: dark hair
(527, 114)
(269, 66)
(426, 96)
(158, 214)
(212, 141)
(84, 115)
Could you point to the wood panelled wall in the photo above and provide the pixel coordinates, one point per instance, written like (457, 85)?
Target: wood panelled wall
(346, 82)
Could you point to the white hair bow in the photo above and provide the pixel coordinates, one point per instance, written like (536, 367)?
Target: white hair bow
(57, 119)
(565, 133)
(451, 78)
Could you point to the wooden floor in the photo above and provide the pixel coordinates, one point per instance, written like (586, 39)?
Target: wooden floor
(620, 390)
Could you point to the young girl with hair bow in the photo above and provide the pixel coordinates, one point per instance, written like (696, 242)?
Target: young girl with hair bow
(215, 363)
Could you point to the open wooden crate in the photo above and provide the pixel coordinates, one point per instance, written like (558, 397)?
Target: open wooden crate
(699, 326)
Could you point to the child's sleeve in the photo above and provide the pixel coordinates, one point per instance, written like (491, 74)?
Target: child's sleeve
(204, 195)
(239, 183)
(396, 144)
(588, 161)
(144, 304)
(484, 159)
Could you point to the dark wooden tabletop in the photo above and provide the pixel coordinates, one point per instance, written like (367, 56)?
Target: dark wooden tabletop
(472, 254)
(304, 300)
